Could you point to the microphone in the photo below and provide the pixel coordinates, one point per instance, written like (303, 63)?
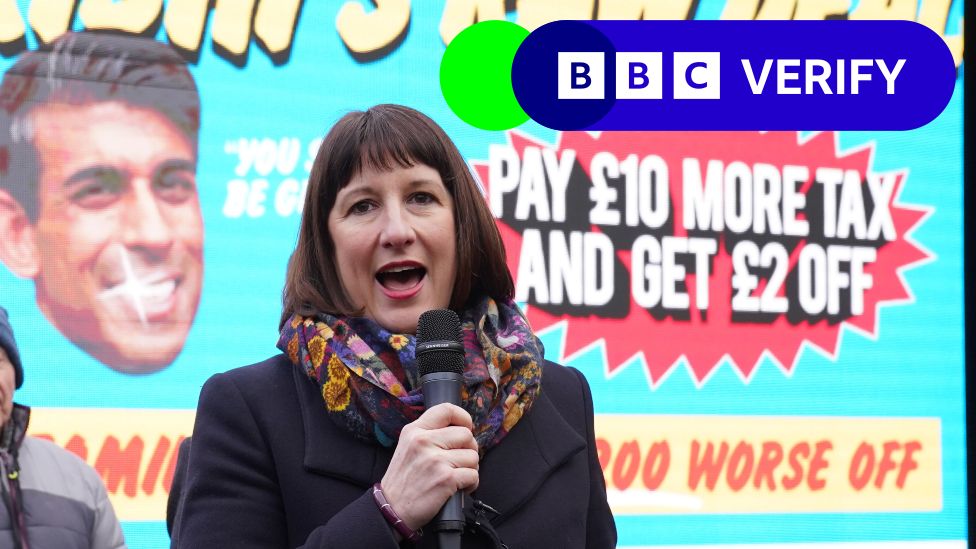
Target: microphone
(440, 363)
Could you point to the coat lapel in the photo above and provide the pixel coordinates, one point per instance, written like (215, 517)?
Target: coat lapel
(329, 450)
(512, 471)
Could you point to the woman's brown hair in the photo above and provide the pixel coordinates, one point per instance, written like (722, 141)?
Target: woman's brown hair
(386, 137)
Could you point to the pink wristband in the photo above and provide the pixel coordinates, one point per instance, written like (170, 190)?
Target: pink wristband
(413, 536)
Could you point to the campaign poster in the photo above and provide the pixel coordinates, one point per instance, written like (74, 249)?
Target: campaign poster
(772, 323)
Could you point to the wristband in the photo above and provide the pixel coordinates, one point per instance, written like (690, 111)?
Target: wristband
(413, 536)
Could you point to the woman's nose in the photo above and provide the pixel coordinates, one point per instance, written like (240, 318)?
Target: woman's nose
(397, 230)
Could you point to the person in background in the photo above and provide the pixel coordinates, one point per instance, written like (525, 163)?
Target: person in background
(98, 193)
(328, 444)
(52, 498)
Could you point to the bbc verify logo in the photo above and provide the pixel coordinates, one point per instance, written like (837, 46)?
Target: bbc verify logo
(698, 75)
(733, 75)
(638, 75)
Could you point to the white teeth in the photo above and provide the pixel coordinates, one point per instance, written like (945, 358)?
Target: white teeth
(143, 288)
(141, 297)
(398, 269)
(159, 290)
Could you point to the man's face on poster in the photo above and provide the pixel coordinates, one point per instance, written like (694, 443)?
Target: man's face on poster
(119, 236)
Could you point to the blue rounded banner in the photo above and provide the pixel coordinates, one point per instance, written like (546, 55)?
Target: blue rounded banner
(733, 75)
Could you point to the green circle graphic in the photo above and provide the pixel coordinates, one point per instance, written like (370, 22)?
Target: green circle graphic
(476, 75)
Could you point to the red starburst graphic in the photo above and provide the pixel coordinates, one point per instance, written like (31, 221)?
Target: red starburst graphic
(705, 338)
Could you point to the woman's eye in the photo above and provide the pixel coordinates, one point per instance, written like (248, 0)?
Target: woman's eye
(422, 198)
(361, 207)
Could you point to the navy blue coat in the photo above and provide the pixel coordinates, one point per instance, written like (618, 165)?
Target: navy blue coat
(269, 468)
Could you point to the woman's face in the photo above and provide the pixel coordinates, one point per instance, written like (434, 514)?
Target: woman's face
(394, 241)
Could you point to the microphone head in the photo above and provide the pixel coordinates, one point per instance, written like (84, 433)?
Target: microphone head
(439, 347)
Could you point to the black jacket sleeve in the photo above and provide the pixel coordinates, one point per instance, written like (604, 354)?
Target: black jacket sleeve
(231, 496)
(601, 531)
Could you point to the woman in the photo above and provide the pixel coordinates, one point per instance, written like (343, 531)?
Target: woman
(328, 444)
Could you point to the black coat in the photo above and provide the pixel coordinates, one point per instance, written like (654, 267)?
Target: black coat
(269, 468)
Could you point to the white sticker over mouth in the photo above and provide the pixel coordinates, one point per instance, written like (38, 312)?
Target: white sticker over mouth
(145, 296)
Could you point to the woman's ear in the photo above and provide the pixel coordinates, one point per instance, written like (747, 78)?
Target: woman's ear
(17, 246)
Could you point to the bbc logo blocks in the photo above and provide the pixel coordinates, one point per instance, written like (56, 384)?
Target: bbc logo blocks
(638, 75)
(580, 75)
(696, 75)
(641, 75)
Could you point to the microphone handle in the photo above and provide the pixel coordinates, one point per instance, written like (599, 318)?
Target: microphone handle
(441, 387)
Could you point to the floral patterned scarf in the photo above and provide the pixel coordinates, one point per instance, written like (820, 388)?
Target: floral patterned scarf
(369, 381)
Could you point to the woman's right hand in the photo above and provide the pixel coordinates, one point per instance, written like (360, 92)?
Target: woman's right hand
(436, 456)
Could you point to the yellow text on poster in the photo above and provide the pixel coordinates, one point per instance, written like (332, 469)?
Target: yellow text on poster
(770, 464)
(372, 32)
(134, 451)
(652, 463)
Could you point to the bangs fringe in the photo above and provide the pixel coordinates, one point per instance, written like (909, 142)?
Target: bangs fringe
(389, 140)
